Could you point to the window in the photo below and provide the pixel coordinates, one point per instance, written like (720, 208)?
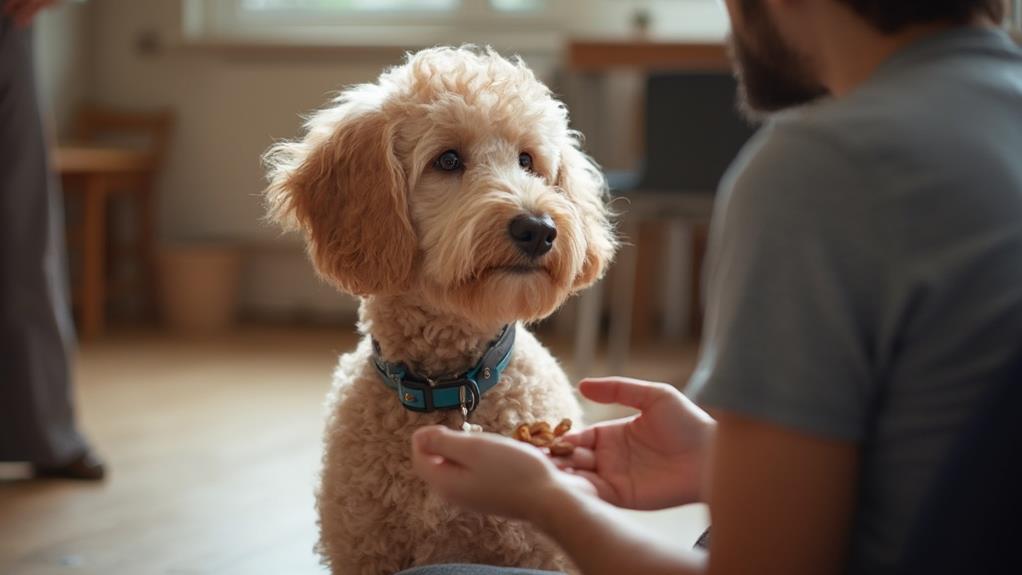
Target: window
(284, 6)
(404, 23)
(384, 5)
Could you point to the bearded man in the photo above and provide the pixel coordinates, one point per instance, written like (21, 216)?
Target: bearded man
(864, 304)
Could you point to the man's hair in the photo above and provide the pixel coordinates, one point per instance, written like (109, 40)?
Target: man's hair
(893, 15)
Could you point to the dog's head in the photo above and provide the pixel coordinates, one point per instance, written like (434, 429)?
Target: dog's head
(455, 177)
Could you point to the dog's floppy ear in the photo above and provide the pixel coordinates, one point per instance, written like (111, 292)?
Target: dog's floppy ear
(581, 179)
(344, 187)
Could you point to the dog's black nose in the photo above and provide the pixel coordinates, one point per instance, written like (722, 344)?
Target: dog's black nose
(533, 235)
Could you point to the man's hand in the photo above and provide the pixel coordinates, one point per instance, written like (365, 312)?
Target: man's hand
(22, 12)
(651, 461)
(493, 474)
(490, 473)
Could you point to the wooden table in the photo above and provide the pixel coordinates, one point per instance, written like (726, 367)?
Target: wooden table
(604, 55)
(95, 173)
(588, 61)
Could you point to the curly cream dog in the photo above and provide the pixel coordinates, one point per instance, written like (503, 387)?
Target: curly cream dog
(452, 197)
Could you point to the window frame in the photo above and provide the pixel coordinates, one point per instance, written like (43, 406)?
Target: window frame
(472, 21)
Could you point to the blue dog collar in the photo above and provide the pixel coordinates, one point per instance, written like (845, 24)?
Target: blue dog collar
(425, 395)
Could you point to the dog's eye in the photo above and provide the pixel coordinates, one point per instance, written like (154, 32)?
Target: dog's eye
(525, 161)
(448, 161)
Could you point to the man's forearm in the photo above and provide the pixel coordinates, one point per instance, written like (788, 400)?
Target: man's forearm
(592, 533)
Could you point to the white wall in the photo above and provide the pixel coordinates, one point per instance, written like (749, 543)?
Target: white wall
(62, 63)
(231, 105)
(671, 19)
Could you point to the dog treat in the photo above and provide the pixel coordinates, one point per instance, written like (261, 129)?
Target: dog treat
(540, 434)
(522, 433)
(542, 440)
(563, 427)
(539, 427)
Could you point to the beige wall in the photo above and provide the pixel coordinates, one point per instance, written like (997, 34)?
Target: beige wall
(231, 105)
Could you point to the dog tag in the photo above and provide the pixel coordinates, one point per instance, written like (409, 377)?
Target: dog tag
(465, 425)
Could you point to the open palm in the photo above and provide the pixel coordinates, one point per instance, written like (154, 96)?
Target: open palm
(650, 461)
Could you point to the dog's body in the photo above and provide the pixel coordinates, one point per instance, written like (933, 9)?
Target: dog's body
(453, 199)
(375, 515)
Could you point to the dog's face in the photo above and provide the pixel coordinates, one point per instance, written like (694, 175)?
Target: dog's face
(455, 177)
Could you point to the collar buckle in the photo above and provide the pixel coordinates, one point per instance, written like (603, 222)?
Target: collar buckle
(468, 396)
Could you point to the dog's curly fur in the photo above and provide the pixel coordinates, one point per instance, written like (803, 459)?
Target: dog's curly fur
(430, 255)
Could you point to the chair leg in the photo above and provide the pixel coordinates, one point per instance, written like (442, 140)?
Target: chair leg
(93, 258)
(147, 248)
(621, 311)
(700, 239)
(677, 265)
(587, 330)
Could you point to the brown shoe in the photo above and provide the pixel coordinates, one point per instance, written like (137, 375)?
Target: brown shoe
(86, 467)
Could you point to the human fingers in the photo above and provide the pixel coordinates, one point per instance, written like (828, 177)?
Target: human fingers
(581, 458)
(443, 474)
(437, 440)
(582, 438)
(625, 391)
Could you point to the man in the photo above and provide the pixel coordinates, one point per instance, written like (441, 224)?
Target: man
(36, 334)
(865, 295)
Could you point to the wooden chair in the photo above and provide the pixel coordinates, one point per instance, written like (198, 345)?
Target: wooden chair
(116, 155)
(692, 133)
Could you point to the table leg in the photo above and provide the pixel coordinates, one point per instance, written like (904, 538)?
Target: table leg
(93, 257)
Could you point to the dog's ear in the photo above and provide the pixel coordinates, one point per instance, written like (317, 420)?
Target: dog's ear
(582, 180)
(343, 186)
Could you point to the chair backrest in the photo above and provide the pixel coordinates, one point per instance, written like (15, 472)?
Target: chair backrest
(693, 131)
(969, 521)
(149, 130)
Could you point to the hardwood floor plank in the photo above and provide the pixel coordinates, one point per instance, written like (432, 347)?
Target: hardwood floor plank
(214, 449)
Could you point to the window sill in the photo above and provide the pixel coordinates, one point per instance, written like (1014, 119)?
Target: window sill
(367, 42)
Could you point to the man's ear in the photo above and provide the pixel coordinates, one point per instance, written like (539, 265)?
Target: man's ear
(582, 180)
(343, 186)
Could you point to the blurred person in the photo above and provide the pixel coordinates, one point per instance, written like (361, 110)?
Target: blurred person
(37, 423)
(865, 297)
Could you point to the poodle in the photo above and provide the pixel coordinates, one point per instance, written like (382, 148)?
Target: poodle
(452, 198)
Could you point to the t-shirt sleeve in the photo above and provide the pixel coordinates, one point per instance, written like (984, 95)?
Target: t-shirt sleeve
(792, 271)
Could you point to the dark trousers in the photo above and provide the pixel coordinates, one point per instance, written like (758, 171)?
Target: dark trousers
(36, 331)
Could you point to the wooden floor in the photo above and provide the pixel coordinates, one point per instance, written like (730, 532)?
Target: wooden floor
(214, 447)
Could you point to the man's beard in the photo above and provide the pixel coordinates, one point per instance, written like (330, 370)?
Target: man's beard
(771, 75)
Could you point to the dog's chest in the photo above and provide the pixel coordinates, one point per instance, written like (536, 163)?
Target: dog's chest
(368, 487)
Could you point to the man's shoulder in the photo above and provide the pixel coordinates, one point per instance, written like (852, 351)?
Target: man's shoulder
(854, 124)
(909, 121)
(793, 163)
(919, 112)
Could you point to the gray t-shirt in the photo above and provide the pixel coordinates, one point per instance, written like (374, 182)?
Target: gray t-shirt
(865, 272)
